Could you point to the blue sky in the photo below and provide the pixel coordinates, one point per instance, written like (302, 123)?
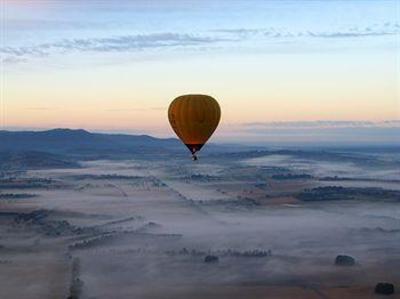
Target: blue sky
(116, 65)
(38, 22)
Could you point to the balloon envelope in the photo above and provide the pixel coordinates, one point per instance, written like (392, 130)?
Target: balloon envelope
(194, 119)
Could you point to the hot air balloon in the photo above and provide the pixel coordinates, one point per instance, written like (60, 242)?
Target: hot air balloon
(194, 118)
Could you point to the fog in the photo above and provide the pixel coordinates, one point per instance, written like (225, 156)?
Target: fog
(142, 229)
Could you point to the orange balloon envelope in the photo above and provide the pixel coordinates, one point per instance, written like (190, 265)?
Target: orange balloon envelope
(194, 119)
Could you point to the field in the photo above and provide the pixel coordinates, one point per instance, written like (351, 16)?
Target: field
(142, 228)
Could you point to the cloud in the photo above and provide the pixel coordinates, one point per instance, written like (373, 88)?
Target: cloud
(171, 40)
(369, 31)
(158, 109)
(126, 43)
(239, 31)
(136, 109)
(322, 124)
(41, 108)
(134, 42)
(12, 59)
(348, 34)
(314, 133)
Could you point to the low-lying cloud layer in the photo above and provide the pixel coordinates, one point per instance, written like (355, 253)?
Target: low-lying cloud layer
(314, 133)
(324, 124)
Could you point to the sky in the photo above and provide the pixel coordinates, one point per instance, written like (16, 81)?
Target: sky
(282, 71)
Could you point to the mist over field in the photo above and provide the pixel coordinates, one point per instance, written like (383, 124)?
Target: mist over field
(145, 226)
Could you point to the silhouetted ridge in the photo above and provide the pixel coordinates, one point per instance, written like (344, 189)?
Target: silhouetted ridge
(81, 141)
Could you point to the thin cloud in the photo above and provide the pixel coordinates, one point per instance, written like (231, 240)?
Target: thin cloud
(158, 108)
(385, 29)
(40, 108)
(170, 40)
(323, 124)
(348, 34)
(318, 132)
(125, 43)
(12, 60)
(136, 109)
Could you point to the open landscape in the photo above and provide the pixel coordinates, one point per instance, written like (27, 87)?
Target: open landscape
(199, 149)
(245, 224)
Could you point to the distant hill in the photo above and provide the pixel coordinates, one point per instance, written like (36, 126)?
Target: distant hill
(34, 160)
(81, 142)
(64, 148)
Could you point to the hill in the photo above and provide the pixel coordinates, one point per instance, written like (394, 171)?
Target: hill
(81, 142)
(34, 160)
